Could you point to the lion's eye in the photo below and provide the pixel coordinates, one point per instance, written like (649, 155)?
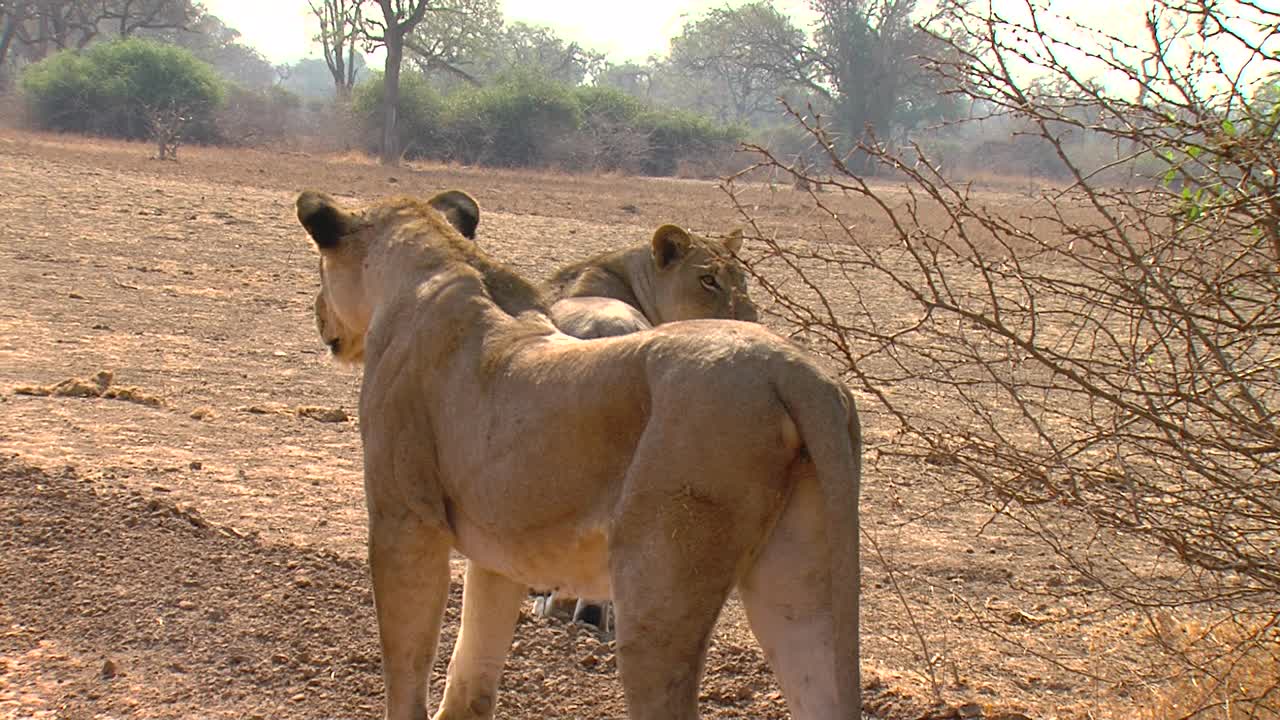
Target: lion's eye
(709, 282)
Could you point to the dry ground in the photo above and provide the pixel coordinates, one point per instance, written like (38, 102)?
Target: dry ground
(190, 541)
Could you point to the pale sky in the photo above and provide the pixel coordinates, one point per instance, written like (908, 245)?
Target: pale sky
(282, 30)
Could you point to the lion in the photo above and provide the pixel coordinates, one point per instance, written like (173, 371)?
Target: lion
(661, 469)
(596, 317)
(675, 276)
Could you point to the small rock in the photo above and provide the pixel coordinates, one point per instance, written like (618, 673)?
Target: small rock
(322, 414)
(186, 605)
(75, 296)
(968, 711)
(196, 465)
(299, 697)
(108, 669)
(267, 409)
(132, 394)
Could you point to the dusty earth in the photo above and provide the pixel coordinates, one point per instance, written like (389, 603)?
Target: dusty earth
(181, 515)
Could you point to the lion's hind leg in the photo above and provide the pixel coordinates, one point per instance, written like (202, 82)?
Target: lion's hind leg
(787, 596)
(666, 604)
(674, 557)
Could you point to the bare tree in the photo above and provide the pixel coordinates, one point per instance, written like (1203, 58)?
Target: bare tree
(167, 124)
(13, 14)
(540, 50)
(52, 25)
(860, 60)
(1107, 373)
(129, 16)
(744, 52)
(45, 26)
(341, 22)
(399, 18)
(459, 32)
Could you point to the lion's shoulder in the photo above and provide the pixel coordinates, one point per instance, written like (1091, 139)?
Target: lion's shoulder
(605, 275)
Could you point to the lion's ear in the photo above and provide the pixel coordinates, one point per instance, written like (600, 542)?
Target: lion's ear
(670, 243)
(733, 241)
(325, 222)
(460, 209)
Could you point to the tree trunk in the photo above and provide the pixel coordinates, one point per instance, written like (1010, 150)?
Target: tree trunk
(6, 41)
(391, 99)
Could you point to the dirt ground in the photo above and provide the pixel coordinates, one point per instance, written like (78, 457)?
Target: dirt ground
(181, 524)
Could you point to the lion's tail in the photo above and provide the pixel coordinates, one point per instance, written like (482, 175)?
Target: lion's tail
(828, 424)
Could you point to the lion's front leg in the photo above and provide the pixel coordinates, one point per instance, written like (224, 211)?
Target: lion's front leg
(409, 564)
(490, 608)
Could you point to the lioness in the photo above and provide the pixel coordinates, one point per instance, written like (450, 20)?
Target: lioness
(661, 468)
(676, 276)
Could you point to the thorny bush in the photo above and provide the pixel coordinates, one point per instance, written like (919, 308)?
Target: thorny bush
(1107, 371)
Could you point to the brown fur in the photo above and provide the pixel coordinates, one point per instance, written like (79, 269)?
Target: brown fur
(660, 468)
(676, 276)
(635, 288)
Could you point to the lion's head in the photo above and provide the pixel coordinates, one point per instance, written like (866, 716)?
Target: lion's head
(342, 309)
(697, 277)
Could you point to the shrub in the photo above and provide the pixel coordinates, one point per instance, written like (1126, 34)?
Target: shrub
(607, 105)
(1102, 372)
(251, 117)
(676, 135)
(609, 138)
(513, 123)
(417, 115)
(60, 91)
(129, 89)
(525, 120)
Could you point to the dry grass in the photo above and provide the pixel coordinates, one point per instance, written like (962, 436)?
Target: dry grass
(1232, 672)
(194, 284)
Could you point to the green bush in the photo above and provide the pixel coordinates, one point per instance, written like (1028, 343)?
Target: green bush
(516, 122)
(607, 105)
(255, 117)
(417, 115)
(115, 89)
(676, 135)
(525, 120)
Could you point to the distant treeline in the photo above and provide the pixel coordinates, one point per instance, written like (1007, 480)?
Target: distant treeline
(118, 88)
(523, 120)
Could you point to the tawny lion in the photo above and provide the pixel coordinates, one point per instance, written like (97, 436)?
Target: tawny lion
(677, 275)
(660, 468)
